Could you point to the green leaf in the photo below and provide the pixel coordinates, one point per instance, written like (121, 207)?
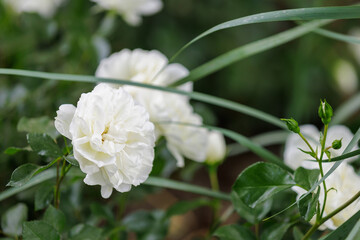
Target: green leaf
(185, 206)
(41, 177)
(44, 145)
(71, 159)
(234, 232)
(55, 218)
(305, 178)
(248, 50)
(252, 215)
(355, 232)
(340, 37)
(102, 211)
(84, 231)
(344, 229)
(13, 150)
(167, 183)
(260, 182)
(308, 152)
(44, 195)
(25, 172)
(147, 224)
(297, 234)
(13, 218)
(39, 230)
(22, 174)
(276, 231)
(346, 12)
(38, 125)
(194, 95)
(308, 205)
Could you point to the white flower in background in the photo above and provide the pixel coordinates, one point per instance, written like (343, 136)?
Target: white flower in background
(344, 184)
(113, 139)
(216, 149)
(294, 158)
(131, 10)
(346, 77)
(355, 48)
(151, 67)
(46, 8)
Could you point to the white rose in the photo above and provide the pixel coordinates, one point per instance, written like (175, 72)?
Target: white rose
(345, 184)
(216, 149)
(346, 77)
(151, 67)
(112, 137)
(294, 158)
(46, 8)
(131, 10)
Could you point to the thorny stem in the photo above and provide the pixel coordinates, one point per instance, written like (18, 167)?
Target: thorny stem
(333, 213)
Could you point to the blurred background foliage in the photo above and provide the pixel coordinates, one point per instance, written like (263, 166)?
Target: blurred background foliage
(286, 81)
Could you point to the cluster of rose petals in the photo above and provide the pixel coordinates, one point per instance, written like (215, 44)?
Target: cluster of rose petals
(131, 10)
(151, 67)
(343, 181)
(295, 158)
(113, 139)
(45, 8)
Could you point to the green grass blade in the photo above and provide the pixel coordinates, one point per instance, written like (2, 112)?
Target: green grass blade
(249, 50)
(346, 110)
(264, 139)
(338, 36)
(167, 183)
(194, 95)
(345, 12)
(154, 181)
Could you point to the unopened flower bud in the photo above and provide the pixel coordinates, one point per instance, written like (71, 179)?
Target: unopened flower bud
(292, 125)
(325, 112)
(216, 150)
(337, 144)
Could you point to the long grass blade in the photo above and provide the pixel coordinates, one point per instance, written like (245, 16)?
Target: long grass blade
(346, 110)
(338, 36)
(194, 95)
(344, 12)
(249, 50)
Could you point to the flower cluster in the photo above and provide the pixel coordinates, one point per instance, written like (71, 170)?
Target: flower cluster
(131, 10)
(113, 128)
(151, 67)
(113, 139)
(45, 8)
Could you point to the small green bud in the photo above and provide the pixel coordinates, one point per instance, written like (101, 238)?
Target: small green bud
(325, 112)
(336, 144)
(292, 125)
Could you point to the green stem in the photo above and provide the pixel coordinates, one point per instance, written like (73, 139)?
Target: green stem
(321, 168)
(308, 144)
(64, 169)
(333, 213)
(212, 170)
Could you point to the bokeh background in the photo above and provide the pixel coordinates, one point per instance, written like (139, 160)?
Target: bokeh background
(286, 81)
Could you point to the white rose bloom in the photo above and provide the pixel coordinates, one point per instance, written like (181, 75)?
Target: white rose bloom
(131, 10)
(113, 139)
(294, 158)
(346, 77)
(216, 149)
(46, 8)
(345, 184)
(151, 67)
